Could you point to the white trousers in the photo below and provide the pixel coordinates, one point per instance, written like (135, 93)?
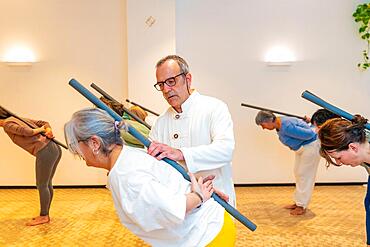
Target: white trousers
(307, 159)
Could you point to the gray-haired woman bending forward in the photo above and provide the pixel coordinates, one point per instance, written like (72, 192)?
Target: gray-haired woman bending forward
(151, 198)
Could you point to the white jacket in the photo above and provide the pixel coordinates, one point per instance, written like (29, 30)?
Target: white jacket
(204, 133)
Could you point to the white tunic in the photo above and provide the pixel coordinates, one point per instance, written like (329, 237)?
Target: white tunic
(204, 133)
(149, 197)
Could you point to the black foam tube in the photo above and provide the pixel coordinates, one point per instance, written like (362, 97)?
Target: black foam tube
(106, 95)
(14, 115)
(274, 111)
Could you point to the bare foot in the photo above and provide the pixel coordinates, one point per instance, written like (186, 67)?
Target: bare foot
(298, 211)
(290, 206)
(38, 220)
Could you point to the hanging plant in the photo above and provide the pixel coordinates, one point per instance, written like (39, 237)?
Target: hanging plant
(362, 16)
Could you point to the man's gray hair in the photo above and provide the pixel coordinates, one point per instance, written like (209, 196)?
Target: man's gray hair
(91, 122)
(179, 60)
(265, 117)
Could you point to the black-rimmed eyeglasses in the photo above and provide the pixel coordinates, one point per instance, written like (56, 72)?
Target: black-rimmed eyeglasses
(169, 82)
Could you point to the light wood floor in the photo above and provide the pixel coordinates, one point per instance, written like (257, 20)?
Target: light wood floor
(86, 217)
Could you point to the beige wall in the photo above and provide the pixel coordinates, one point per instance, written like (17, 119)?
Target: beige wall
(81, 39)
(226, 43)
(146, 45)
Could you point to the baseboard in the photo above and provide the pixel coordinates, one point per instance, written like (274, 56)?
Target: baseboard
(236, 185)
(55, 187)
(293, 184)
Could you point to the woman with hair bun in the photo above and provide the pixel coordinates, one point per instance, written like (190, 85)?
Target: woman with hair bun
(345, 143)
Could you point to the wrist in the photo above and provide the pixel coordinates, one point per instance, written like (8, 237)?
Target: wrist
(36, 131)
(180, 155)
(201, 198)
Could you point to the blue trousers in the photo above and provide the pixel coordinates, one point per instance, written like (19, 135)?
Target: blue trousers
(367, 208)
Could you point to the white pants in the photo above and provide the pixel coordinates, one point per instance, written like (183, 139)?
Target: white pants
(307, 159)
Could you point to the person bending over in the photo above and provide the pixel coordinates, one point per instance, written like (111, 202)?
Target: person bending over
(47, 155)
(345, 143)
(298, 136)
(129, 139)
(320, 116)
(151, 198)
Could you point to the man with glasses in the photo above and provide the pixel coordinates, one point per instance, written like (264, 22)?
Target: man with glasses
(196, 131)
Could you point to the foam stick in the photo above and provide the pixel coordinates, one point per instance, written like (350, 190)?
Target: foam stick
(320, 102)
(2, 109)
(93, 99)
(107, 96)
(142, 107)
(278, 112)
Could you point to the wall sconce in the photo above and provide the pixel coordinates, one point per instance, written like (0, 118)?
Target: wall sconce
(19, 56)
(279, 56)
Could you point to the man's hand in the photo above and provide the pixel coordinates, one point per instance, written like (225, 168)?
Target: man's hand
(307, 119)
(160, 151)
(221, 194)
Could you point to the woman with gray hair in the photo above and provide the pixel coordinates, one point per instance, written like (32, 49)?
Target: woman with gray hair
(302, 139)
(151, 198)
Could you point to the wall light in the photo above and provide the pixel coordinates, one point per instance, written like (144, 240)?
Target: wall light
(279, 56)
(19, 56)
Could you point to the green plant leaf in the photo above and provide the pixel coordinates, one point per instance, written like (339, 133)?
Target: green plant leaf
(362, 16)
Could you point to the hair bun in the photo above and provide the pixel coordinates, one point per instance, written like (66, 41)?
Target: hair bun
(358, 125)
(358, 119)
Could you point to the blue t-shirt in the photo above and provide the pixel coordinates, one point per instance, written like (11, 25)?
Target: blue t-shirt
(295, 133)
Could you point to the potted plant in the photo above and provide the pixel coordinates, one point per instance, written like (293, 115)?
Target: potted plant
(362, 16)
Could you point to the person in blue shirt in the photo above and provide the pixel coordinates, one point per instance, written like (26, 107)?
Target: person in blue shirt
(298, 136)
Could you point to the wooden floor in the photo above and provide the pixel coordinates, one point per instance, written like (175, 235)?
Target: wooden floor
(86, 217)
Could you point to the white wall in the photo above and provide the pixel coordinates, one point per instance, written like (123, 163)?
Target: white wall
(82, 39)
(146, 45)
(225, 43)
